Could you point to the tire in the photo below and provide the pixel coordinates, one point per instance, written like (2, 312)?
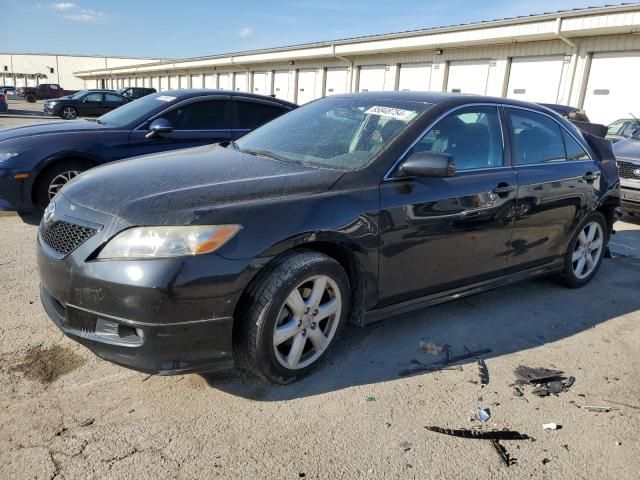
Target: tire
(31, 98)
(58, 172)
(69, 113)
(267, 307)
(572, 276)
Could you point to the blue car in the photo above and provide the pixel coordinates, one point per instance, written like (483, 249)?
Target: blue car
(37, 161)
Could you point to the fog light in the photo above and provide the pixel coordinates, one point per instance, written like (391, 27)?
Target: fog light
(139, 332)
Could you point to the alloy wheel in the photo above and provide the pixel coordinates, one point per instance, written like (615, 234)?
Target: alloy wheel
(60, 181)
(69, 113)
(307, 322)
(588, 250)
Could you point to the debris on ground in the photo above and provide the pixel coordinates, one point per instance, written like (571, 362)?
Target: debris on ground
(483, 371)
(370, 398)
(517, 392)
(432, 348)
(502, 452)
(545, 461)
(551, 426)
(595, 408)
(546, 381)
(482, 414)
(480, 434)
(406, 446)
(88, 422)
(622, 404)
(444, 365)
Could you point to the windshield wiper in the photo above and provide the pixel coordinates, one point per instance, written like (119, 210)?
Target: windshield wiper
(264, 153)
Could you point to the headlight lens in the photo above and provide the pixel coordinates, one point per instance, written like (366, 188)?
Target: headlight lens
(158, 242)
(7, 155)
(51, 104)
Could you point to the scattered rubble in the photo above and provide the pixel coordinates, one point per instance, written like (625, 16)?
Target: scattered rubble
(502, 453)
(482, 414)
(443, 365)
(480, 434)
(483, 372)
(551, 426)
(546, 381)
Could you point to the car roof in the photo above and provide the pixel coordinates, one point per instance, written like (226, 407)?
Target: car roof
(438, 97)
(183, 94)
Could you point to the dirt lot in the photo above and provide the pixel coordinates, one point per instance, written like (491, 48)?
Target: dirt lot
(66, 414)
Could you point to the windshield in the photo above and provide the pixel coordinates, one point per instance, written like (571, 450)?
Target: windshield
(343, 133)
(132, 111)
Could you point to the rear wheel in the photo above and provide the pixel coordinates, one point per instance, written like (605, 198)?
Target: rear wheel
(69, 113)
(294, 313)
(55, 178)
(585, 252)
(30, 97)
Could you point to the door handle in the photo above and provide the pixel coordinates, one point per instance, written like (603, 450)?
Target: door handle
(590, 176)
(504, 189)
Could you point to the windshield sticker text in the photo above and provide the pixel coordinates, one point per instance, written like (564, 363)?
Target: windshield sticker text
(396, 113)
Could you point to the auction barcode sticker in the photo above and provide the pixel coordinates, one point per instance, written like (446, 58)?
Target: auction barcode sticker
(397, 113)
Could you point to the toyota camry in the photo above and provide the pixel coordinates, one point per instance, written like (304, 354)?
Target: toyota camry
(353, 208)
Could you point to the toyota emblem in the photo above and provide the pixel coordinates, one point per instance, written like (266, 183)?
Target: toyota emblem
(49, 212)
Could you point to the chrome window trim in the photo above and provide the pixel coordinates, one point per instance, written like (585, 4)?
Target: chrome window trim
(584, 147)
(433, 124)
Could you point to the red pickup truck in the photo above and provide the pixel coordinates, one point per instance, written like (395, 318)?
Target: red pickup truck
(43, 91)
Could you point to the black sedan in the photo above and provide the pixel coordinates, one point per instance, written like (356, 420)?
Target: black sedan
(86, 103)
(351, 208)
(37, 160)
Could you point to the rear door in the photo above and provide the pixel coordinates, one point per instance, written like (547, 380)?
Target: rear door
(112, 101)
(439, 234)
(557, 184)
(251, 113)
(195, 122)
(92, 104)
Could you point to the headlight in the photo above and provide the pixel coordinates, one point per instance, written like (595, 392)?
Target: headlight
(7, 155)
(154, 242)
(51, 104)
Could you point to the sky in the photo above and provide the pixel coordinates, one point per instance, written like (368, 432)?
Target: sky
(189, 28)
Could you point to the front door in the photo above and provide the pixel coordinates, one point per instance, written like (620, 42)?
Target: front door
(201, 122)
(91, 104)
(442, 233)
(557, 183)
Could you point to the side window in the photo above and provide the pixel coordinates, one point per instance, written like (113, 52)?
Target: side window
(252, 114)
(471, 135)
(537, 138)
(575, 151)
(110, 97)
(93, 97)
(53, 87)
(206, 115)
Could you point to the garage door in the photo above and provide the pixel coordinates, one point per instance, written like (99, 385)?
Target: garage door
(164, 83)
(468, 77)
(155, 83)
(32, 82)
(337, 80)
(208, 80)
(224, 81)
(612, 88)
(415, 77)
(536, 79)
(306, 86)
(196, 81)
(184, 81)
(372, 78)
(174, 82)
(240, 84)
(281, 84)
(260, 83)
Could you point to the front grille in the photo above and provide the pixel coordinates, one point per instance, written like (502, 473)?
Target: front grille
(627, 169)
(65, 237)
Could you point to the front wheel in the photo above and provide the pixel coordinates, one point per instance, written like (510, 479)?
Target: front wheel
(585, 252)
(55, 178)
(69, 113)
(293, 315)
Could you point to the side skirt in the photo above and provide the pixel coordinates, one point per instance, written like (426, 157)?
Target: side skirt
(407, 306)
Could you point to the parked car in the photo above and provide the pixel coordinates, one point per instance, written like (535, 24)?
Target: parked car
(36, 160)
(353, 207)
(628, 155)
(134, 93)
(7, 89)
(43, 91)
(623, 128)
(84, 103)
(3, 102)
(570, 113)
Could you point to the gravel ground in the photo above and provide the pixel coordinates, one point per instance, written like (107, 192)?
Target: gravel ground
(66, 414)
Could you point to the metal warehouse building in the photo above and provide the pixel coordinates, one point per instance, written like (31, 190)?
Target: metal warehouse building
(30, 69)
(589, 58)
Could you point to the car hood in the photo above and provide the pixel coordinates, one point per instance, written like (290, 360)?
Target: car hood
(177, 187)
(49, 128)
(627, 148)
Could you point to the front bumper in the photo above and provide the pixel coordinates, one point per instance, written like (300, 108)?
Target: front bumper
(167, 316)
(14, 194)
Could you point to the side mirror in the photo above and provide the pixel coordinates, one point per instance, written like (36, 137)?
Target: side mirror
(428, 164)
(159, 127)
